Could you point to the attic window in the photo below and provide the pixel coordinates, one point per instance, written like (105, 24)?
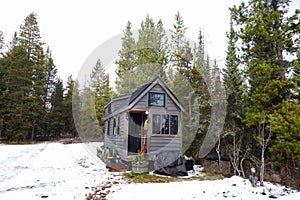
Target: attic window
(156, 99)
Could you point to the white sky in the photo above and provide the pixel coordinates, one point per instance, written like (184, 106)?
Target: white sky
(73, 29)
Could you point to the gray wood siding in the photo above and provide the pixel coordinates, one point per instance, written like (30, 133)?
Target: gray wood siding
(118, 104)
(171, 105)
(160, 143)
(141, 105)
(117, 141)
(157, 88)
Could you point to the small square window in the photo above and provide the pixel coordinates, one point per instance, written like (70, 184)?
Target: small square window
(156, 99)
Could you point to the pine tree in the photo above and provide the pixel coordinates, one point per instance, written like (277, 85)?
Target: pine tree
(2, 85)
(151, 52)
(49, 81)
(201, 105)
(69, 120)
(1, 40)
(266, 34)
(178, 40)
(76, 106)
(57, 112)
(103, 93)
(13, 94)
(126, 62)
(142, 60)
(285, 123)
(28, 76)
(30, 39)
(89, 125)
(233, 83)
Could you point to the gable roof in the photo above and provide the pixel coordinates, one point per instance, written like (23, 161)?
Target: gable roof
(135, 94)
(142, 91)
(138, 94)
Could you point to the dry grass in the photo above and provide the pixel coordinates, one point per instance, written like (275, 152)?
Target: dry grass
(150, 178)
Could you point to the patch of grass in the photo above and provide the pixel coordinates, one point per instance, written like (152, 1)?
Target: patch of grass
(149, 178)
(25, 142)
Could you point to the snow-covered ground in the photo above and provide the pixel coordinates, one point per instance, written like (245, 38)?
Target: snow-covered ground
(49, 170)
(57, 171)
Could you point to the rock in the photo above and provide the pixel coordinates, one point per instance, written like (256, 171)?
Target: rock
(272, 196)
(106, 186)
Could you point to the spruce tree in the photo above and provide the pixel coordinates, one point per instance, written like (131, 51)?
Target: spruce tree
(151, 52)
(89, 126)
(177, 41)
(285, 123)
(2, 85)
(201, 102)
(103, 93)
(142, 60)
(30, 39)
(57, 112)
(1, 41)
(235, 113)
(76, 106)
(126, 62)
(13, 94)
(267, 34)
(69, 120)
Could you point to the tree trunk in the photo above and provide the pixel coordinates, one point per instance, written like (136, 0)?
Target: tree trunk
(262, 166)
(32, 133)
(219, 156)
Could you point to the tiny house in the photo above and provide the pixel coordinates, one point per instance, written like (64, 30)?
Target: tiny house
(150, 120)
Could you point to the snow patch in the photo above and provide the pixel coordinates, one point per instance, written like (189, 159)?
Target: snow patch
(57, 171)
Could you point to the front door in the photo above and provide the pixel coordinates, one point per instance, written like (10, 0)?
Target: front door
(135, 132)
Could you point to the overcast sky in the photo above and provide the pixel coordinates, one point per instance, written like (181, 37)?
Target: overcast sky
(74, 29)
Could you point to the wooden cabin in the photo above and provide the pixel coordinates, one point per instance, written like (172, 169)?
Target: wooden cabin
(150, 118)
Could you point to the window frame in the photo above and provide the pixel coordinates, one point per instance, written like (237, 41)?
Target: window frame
(175, 125)
(108, 126)
(150, 103)
(114, 126)
(169, 117)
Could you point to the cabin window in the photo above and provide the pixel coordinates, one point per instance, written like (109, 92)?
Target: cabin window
(173, 124)
(118, 126)
(157, 99)
(165, 124)
(108, 126)
(114, 127)
(156, 124)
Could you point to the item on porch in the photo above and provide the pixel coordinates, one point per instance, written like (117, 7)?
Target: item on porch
(170, 163)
